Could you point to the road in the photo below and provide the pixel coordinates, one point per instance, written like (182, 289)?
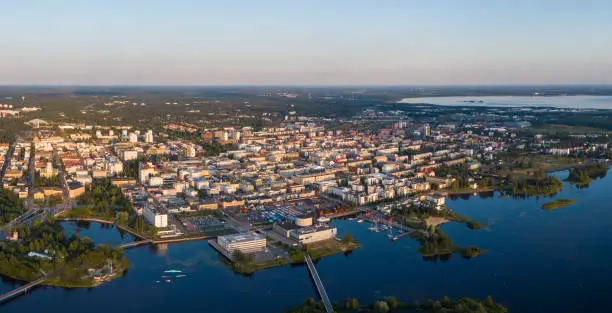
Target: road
(33, 212)
(7, 161)
(67, 202)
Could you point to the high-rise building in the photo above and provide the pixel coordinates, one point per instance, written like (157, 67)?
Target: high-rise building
(427, 130)
(149, 136)
(133, 137)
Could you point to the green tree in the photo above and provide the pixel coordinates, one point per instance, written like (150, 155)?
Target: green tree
(381, 307)
(348, 238)
(392, 302)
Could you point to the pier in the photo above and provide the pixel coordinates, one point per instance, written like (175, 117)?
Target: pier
(319, 284)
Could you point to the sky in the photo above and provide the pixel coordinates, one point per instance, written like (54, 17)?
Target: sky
(305, 42)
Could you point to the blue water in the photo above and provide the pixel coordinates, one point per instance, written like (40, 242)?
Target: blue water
(568, 102)
(536, 261)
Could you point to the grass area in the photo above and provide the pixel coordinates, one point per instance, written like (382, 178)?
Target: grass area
(557, 204)
(316, 251)
(330, 247)
(462, 191)
(86, 212)
(553, 164)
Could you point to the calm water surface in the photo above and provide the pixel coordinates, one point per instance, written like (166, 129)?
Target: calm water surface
(572, 102)
(536, 261)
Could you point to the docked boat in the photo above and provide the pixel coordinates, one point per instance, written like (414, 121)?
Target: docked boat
(359, 221)
(323, 219)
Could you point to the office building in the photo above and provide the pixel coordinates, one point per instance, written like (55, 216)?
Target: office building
(248, 242)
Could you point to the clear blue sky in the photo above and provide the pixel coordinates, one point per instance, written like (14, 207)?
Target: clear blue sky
(340, 42)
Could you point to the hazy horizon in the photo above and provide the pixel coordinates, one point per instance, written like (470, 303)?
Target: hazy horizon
(311, 43)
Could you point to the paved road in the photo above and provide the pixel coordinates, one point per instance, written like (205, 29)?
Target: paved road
(7, 161)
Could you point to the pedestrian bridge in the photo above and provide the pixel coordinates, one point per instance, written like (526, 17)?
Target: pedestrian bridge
(319, 284)
(134, 244)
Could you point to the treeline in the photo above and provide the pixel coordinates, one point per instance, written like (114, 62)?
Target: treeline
(105, 198)
(586, 174)
(10, 206)
(537, 185)
(436, 244)
(392, 304)
(214, 148)
(455, 171)
(40, 181)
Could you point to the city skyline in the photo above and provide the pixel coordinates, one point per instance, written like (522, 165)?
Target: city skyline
(305, 43)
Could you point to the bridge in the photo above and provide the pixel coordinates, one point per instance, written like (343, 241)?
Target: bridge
(23, 289)
(319, 284)
(134, 244)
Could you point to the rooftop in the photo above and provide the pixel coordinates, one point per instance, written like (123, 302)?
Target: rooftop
(242, 237)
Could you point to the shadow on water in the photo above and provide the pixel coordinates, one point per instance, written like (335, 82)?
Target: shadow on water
(83, 225)
(436, 258)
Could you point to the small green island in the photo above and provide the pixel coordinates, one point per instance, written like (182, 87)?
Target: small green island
(44, 251)
(582, 176)
(435, 243)
(392, 304)
(557, 204)
(537, 184)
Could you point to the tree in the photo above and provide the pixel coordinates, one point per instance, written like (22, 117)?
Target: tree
(348, 238)
(122, 217)
(381, 307)
(490, 302)
(392, 302)
(309, 301)
(354, 304)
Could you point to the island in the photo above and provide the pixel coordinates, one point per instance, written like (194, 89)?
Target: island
(582, 176)
(557, 204)
(392, 304)
(536, 185)
(44, 251)
(435, 243)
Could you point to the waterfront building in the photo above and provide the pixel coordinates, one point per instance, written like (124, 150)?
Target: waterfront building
(248, 242)
(303, 220)
(156, 216)
(313, 234)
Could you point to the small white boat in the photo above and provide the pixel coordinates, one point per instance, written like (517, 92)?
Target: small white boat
(323, 219)
(359, 221)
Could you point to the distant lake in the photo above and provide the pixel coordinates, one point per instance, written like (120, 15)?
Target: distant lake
(536, 261)
(573, 102)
